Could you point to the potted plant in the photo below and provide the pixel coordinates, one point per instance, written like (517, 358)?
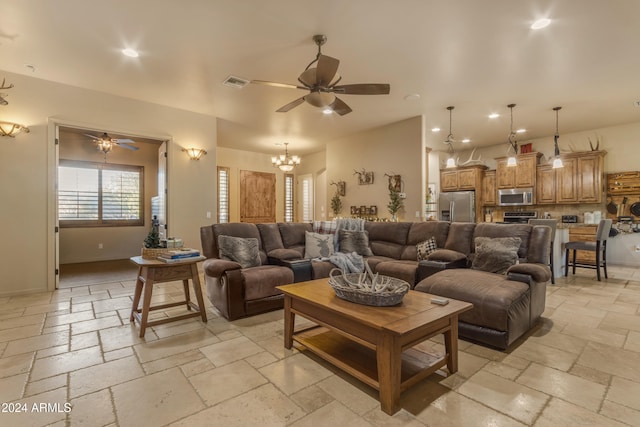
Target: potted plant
(395, 204)
(151, 247)
(336, 204)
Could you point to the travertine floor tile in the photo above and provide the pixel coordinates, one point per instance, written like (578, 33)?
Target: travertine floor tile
(47, 384)
(226, 382)
(620, 413)
(37, 415)
(175, 344)
(625, 393)
(118, 354)
(560, 384)
(175, 360)
(66, 362)
(112, 304)
(454, 410)
(14, 365)
(48, 308)
(230, 351)
(311, 398)
(156, 399)
(333, 414)
(592, 334)
(349, 395)
(94, 378)
(22, 332)
(561, 413)
(11, 389)
(123, 336)
(64, 319)
(622, 321)
(95, 324)
(39, 342)
(633, 341)
(612, 360)
(80, 341)
(546, 356)
(294, 373)
(93, 409)
(264, 406)
(519, 402)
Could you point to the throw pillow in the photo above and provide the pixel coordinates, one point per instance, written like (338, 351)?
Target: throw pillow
(243, 251)
(325, 227)
(495, 255)
(354, 241)
(318, 245)
(426, 247)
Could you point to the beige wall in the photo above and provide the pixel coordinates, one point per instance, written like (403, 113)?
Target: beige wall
(395, 148)
(27, 168)
(80, 244)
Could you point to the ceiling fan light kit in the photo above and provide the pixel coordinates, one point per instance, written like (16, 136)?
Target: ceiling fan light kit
(322, 83)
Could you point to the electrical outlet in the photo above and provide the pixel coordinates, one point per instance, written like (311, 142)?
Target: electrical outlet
(208, 215)
(99, 245)
(403, 195)
(637, 249)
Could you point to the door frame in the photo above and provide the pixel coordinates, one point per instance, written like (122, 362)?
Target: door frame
(53, 160)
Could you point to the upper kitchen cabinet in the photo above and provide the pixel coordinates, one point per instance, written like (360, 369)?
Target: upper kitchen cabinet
(489, 188)
(462, 178)
(578, 181)
(522, 175)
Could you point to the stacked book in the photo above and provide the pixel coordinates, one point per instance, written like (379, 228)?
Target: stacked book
(178, 255)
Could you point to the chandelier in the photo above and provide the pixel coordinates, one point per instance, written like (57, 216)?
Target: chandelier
(285, 162)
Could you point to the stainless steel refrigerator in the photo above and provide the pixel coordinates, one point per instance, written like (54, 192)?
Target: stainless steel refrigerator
(457, 206)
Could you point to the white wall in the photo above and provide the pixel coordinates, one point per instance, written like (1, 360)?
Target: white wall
(27, 169)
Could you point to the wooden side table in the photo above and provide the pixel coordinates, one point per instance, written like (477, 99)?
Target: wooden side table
(151, 272)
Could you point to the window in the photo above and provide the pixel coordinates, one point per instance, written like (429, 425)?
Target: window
(307, 198)
(99, 194)
(223, 195)
(288, 198)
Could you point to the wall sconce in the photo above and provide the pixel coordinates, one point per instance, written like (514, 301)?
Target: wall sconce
(12, 129)
(194, 153)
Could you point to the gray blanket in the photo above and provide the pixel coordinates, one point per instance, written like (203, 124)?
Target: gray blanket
(347, 262)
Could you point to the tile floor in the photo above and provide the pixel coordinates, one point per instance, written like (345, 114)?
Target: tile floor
(580, 366)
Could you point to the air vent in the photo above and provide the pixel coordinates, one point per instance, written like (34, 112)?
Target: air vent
(235, 82)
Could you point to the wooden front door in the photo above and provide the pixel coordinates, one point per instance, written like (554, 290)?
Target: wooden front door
(257, 197)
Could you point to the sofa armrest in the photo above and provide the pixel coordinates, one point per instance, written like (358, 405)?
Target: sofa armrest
(538, 272)
(214, 267)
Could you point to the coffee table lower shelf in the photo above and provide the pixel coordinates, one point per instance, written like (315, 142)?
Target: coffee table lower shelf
(360, 361)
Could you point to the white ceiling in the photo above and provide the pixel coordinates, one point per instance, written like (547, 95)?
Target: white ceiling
(476, 55)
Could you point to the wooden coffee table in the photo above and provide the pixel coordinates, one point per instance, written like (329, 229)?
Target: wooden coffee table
(373, 344)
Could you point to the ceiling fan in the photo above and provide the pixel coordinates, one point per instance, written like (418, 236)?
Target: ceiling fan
(322, 83)
(105, 142)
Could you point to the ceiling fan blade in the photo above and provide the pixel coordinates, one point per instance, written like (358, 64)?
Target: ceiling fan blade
(290, 105)
(117, 140)
(275, 84)
(340, 107)
(326, 71)
(308, 77)
(127, 146)
(92, 136)
(363, 89)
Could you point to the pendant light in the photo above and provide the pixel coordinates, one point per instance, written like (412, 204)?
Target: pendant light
(557, 161)
(451, 161)
(513, 145)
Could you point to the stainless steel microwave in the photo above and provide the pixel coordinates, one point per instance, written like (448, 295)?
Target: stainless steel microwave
(515, 197)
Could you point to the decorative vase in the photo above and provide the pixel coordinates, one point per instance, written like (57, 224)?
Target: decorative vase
(394, 218)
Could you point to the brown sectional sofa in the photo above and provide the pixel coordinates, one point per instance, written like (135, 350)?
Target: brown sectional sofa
(505, 306)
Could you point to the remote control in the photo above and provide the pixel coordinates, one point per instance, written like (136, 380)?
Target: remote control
(439, 301)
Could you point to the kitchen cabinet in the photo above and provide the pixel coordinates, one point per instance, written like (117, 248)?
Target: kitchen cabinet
(461, 178)
(583, 233)
(545, 185)
(578, 181)
(523, 175)
(489, 188)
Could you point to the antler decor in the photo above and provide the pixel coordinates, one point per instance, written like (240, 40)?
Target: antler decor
(364, 177)
(2, 95)
(340, 187)
(395, 182)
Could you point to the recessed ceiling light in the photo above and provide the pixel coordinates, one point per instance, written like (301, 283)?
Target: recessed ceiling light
(466, 141)
(540, 23)
(494, 115)
(132, 53)
(327, 111)
(435, 129)
(521, 131)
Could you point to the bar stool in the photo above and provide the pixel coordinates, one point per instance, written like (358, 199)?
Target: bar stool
(551, 223)
(599, 247)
